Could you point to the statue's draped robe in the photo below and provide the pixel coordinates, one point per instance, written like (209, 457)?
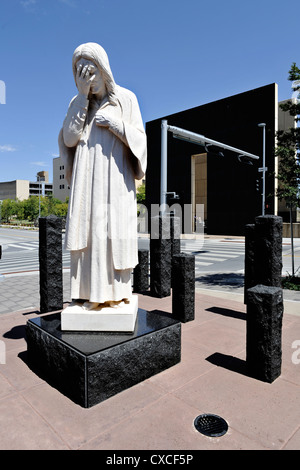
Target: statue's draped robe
(101, 166)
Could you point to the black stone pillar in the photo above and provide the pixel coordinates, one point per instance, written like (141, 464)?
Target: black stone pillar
(175, 232)
(264, 330)
(249, 277)
(160, 256)
(183, 287)
(268, 250)
(50, 257)
(141, 272)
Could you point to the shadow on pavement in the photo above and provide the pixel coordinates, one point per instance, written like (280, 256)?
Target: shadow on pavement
(227, 312)
(222, 279)
(16, 332)
(231, 363)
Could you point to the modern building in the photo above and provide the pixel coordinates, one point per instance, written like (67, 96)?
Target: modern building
(219, 179)
(22, 189)
(17, 189)
(61, 189)
(41, 187)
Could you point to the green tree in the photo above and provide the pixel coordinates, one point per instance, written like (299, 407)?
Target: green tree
(8, 209)
(287, 150)
(31, 208)
(19, 209)
(48, 205)
(61, 209)
(141, 194)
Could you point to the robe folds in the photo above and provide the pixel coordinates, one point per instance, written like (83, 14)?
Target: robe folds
(101, 166)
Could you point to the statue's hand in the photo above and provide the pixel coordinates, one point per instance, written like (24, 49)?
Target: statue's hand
(111, 123)
(84, 79)
(103, 120)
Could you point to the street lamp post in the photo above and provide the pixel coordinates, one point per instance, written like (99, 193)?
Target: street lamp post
(38, 180)
(263, 169)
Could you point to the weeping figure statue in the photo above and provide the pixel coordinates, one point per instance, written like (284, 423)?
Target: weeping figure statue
(103, 149)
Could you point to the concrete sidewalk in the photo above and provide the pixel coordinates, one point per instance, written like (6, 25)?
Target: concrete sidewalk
(158, 413)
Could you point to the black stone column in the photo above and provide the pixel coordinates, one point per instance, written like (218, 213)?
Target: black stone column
(141, 272)
(268, 250)
(183, 287)
(249, 277)
(160, 256)
(175, 227)
(264, 331)
(175, 232)
(50, 257)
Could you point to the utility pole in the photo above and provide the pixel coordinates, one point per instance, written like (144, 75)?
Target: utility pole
(263, 169)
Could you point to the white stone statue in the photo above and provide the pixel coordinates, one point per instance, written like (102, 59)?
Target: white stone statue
(103, 148)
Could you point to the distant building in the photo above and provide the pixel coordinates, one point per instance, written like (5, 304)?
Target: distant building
(61, 189)
(17, 189)
(41, 187)
(22, 189)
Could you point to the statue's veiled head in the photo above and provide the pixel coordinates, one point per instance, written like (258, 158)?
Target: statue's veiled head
(96, 54)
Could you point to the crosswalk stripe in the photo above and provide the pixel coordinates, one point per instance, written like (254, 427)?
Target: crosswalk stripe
(24, 247)
(211, 258)
(26, 263)
(30, 243)
(230, 252)
(198, 263)
(215, 253)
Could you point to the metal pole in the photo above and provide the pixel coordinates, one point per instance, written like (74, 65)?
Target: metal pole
(164, 164)
(191, 137)
(38, 180)
(264, 171)
(292, 239)
(201, 139)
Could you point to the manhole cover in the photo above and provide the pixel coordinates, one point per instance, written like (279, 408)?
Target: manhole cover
(211, 425)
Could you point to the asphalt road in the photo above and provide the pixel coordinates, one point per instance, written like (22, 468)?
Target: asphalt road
(223, 256)
(20, 253)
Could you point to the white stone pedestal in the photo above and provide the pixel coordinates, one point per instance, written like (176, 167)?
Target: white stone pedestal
(119, 318)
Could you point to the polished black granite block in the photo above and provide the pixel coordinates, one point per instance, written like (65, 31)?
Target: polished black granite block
(90, 367)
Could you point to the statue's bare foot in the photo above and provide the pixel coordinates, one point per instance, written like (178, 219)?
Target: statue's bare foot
(90, 305)
(112, 303)
(74, 304)
(117, 303)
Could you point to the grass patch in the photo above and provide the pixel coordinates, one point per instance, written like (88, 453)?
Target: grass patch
(291, 282)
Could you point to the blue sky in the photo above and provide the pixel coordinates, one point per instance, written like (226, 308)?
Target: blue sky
(173, 54)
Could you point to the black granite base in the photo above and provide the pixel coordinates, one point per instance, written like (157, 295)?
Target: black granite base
(91, 367)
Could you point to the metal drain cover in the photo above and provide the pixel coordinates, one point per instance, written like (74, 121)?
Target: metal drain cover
(211, 425)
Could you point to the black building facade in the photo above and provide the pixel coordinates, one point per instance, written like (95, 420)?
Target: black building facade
(231, 197)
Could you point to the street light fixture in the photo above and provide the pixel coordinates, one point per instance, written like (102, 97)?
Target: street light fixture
(188, 137)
